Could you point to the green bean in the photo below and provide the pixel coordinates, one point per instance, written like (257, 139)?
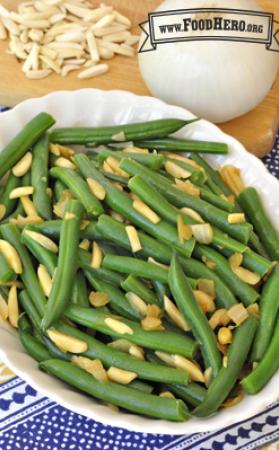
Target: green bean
(247, 294)
(112, 357)
(161, 290)
(29, 307)
(25, 181)
(117, 301)
(150, 246)
(115, 177)
(224, 296)
(209, 212)
(252, 261)
(44, 256)
(138, 287)
(150, 160)
(125, 397)
(216, 200)
(165, 341)
(132, 132)
(30, 343)
(184, 145)
(141, 386)
(11, 234)
(222, 385)
(137, 267)
(59, 188)
(252, 205)
(19, 145)
(256, 244)
(52, 229)
(10, 204)
(266, 368)
(84, 261)
(6, 272)
(269, 307)
(67, 263)
(198, 322)
(198, 175)
(212, 173)
(79, 295)
(121, 202)
(54, 351)
(79, 189)
(39, 178)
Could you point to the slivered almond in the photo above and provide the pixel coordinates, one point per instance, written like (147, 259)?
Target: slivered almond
(29, 220)
(3, 32)
(37, 74)
(11, 255)
(23, 165)
(174, 313)
(92, 46)
(219, 317)
(193, 214)
(152, 324)
(85, 244)
(119, 137)
(187, 187)
(207, 286)
(153, 311)
(101, 32)
(61, 150)
(94, 71)
(205, 301)
(107, 168)
(2, 211)
(210, 264)
(115, 165)
(254, 310)
(232, 178)
(236, 218)
(117, 216)
(67, 343)
(98, 299)
(182, 363)
(203, 233)
(176, 171)
(121, 376)
(67, 69)
(235, 260)
(184, 231)
(246, 275)
(122, 49)
(224, 336)
(133, 238)
(144, 151)
(84, 224)
(122, 19)
(136, 351)
(103, 22)
(207, 376)
(92, 366)
(117, 326)
(64, 162)
(28, 206)
(43, 240)
(118, 37)
(132, 39)
(233, 401)
(69, 216)
(153, 261)
(97, 256)
(225, 361)
(166, 357)
(166, 394)
(136, 302)
(127, 347)
(96, 188)
(44, 279)
(13, 310)
(238, 314)
(145, 211)
(21, 191)
(4, 312)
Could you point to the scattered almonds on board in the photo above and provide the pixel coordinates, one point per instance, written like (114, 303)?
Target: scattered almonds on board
(62, 36)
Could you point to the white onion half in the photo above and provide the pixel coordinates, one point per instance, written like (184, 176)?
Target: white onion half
(217, 80)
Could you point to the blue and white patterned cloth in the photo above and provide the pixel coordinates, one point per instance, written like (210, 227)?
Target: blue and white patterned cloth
(29, 421)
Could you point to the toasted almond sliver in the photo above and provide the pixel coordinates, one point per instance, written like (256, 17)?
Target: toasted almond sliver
(246, 275)
(133, 238)
(233, 401)
(96, 188)
(117, 326)
(187, 187)
(119, 137)
(136, 302)
(136, 351)
(29, 220)
(133, 149)
(207, 286)
(61, 150)
(145, 211)
(175, 314)
(21, 191)
(166, 394)
(203, 233)
(43, 240)
(207, 376)
(94, 71)
(219, 317)
(224, 336)
(153, 261)
(69, 216)
(205, 301)
(67, 343)
(4, 312)
(98, 299)
(238, 314)
(225, 361)
(28, 206)
(84, 224)
(153, 311)
(92, 366)
(2, 211)
(121, 376)
(120, 344)
(184, 231)
(23, 165)
(195, 373)
(176, 171)
(193, 214)
(64, 162)
(13, 310)
(166, 357)
(235, 260)
(85, 244)
(115, 165)
(117, 216)
(152, 324)
(11, 256)
(236, 218)
(232, 178)
(254, 310)
(97, 256)
(44, 279)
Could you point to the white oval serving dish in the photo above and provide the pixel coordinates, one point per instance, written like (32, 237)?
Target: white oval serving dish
(92, 107)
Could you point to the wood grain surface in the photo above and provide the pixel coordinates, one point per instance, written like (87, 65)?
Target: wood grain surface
(256, 130)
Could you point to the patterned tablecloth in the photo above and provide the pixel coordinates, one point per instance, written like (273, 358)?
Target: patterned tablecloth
(29, 421)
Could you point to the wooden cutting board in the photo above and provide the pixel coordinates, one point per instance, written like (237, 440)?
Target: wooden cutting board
(256, 130)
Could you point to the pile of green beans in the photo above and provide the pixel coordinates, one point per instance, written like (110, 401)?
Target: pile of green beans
(101, 249)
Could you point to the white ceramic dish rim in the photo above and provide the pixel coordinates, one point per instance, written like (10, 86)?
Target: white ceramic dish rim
(109, 107)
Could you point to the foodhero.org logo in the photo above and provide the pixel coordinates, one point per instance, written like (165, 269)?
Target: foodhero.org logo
(210, 24)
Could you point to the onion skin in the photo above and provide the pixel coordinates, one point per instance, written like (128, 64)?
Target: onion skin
(216, 80)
